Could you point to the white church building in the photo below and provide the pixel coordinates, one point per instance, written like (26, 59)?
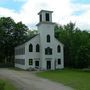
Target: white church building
(43, 51)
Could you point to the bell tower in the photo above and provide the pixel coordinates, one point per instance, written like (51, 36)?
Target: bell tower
(46, 32)
(45, 16)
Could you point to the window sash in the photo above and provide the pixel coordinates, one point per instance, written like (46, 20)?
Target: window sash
(30, 61)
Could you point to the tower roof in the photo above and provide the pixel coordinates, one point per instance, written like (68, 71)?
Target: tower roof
(45, 11)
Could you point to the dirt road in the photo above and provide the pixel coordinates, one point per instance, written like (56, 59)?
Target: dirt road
(25, 80)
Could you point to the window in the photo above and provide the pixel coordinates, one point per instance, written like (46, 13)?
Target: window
(30, 61)
(37, 48)
(40, 18)
(20, 51)
(48, 51)
(30, 48)
(48, 38)
(59, 61)
(20, 61)
(58, 48)
(47, 16)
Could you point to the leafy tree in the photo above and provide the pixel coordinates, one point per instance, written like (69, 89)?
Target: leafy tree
(31, 33)
(76, 45)
(11, 34)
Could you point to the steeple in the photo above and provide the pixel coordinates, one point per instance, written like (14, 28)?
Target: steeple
(45, 21)
(45, 16)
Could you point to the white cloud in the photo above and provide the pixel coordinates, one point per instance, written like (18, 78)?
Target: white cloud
(82, 20)
(63, 12)
(4, 12)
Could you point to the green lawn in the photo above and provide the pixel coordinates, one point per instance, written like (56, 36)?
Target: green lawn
(6, 85)
(77, 79)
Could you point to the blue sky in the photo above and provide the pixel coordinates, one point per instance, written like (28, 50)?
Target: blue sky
(81, 1)
(11, 4)
(16, 4)
(77, 11)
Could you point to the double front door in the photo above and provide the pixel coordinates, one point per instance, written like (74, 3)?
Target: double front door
(37, 63)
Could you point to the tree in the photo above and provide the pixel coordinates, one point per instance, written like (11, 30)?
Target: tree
(76, 45)
(11, 34)
(19, 33)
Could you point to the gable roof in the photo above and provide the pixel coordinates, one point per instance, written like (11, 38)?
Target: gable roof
(27, 40)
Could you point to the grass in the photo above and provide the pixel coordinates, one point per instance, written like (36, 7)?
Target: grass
(77, 79)
(6, 85)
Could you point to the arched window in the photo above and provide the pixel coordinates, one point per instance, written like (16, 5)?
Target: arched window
(48, 51)
(48, 38)
(30, 48)
(37, 48)
(58, 48)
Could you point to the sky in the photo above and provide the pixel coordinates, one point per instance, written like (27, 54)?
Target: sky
(64, 11)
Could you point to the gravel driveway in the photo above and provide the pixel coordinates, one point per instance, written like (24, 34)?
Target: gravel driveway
(25, 80)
